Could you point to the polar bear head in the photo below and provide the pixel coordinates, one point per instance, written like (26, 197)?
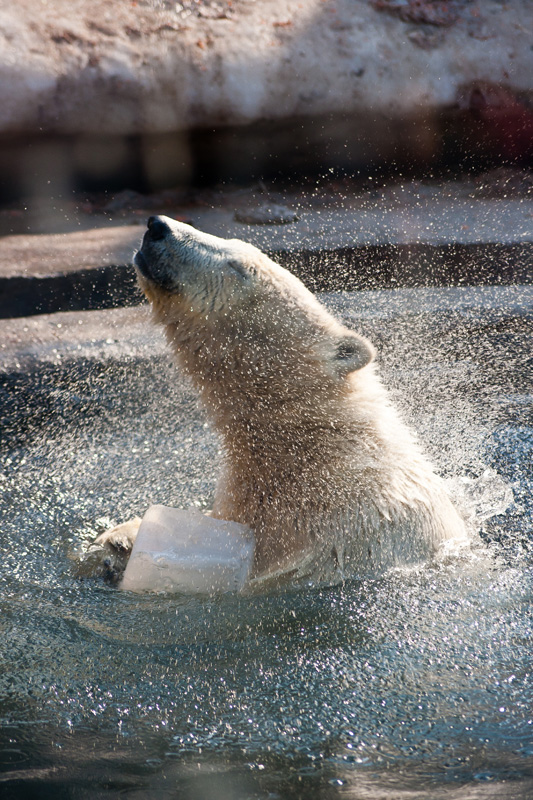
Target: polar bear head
(233, 315)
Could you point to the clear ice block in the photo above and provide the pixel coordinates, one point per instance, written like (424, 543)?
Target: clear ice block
(185, 551)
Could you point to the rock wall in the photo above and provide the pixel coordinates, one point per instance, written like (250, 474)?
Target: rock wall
(121, 68)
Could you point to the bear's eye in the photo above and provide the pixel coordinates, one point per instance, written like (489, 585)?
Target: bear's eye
(346, 349)
(237, 267)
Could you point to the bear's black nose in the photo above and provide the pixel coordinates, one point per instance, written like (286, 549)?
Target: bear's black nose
(157, 228)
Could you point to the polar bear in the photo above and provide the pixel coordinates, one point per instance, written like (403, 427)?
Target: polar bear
(316, 460)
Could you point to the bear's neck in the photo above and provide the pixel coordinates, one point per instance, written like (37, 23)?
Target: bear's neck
(284, 437)
(277, 419)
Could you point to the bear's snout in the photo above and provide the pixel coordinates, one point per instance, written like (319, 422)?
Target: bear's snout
(147, 260)
(157, 229)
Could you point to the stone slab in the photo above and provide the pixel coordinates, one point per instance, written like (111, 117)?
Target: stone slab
(432, 221)
(433, 238)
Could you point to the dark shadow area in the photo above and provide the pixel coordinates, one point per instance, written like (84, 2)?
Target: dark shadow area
(304, 148)
(344, 269)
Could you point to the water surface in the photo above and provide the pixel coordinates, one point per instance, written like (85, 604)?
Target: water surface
(418, 684)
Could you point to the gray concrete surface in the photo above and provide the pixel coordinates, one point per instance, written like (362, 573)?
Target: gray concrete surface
(408, 235)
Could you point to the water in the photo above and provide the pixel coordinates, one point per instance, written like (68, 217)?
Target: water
(416, 685)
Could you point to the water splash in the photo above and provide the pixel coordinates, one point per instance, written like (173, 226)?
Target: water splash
(426, 673)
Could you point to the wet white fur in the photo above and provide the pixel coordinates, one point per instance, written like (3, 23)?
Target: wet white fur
(316, 460)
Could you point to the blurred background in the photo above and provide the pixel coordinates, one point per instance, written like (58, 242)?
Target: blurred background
(101, 106)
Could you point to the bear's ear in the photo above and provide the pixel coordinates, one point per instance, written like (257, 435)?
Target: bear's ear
(352, 352)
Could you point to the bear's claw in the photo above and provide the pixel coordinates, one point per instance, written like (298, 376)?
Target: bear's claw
(108, 555)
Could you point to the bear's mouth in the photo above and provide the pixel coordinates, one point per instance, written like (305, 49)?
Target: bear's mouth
(152, 270)
(142, 264)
